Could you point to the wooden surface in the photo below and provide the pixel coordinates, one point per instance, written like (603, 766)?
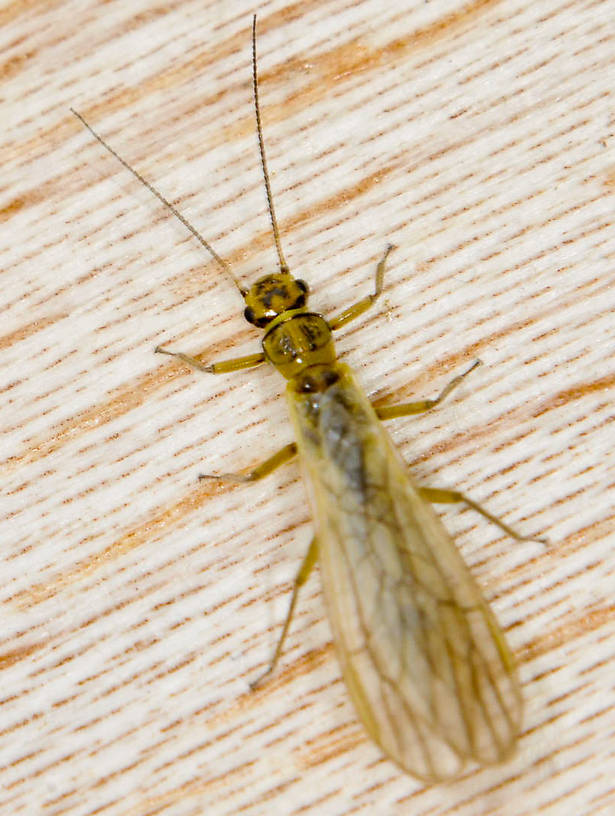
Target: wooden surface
(136, 604)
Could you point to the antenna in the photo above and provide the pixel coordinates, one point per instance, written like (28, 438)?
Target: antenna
(261, 146)
(220, 261)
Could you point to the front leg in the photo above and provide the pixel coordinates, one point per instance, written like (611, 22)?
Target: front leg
(363, 305)
(223, 367)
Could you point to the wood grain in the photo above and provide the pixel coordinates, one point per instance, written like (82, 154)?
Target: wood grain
(136, 603)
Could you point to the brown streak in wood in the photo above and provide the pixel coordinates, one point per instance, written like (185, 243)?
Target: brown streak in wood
(122, 400)
(576, 392)
(331, 743)
(588, 621)
(14, 656)
(29, 329)
(165, 520)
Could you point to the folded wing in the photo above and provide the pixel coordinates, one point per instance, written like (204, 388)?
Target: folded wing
(424, 660)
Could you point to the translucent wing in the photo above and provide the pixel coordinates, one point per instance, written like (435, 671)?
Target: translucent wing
(424, 660)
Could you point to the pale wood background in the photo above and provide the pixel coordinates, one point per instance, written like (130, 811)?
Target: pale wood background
(136, 604)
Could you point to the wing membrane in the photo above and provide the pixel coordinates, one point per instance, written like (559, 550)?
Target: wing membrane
(424, 660)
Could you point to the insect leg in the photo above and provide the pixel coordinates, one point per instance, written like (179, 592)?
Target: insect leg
(282, 456)
(445, 496)
(408, 408)
(363, 305)
(302, 575)
(223, 367)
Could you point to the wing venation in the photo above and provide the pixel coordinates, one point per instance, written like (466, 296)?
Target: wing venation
(424, 660)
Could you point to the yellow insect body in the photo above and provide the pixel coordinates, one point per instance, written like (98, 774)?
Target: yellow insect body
(423, 658)
(425, 662)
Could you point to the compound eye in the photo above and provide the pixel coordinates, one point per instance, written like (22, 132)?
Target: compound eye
(302, 296)
(248, 313)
